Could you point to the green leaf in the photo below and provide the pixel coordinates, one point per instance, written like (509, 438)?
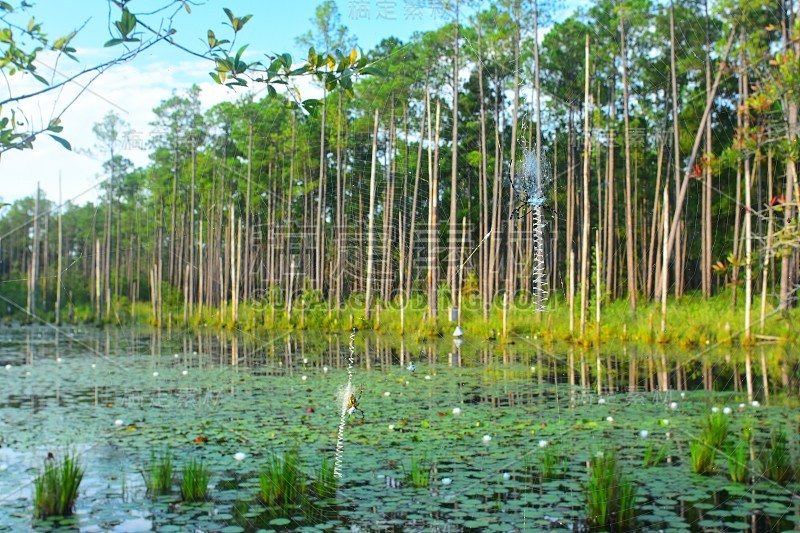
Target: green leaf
(112, 42)
(212, 39)
(63, 142)
(372, 71)
(287, 60)
(229, 13)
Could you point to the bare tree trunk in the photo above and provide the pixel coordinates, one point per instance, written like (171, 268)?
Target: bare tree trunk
(788, 262)
(748, 225)
(59, 258)
(413, 224)
(511, 240)
(630, 236)
(587, 146)
(319, 255)
(34, 268)
(451, 252)
(676, 149)
(706, 259)
(371, 219)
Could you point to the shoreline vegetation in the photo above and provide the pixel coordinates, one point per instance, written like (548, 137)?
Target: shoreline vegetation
(484, 162)
(691, 321)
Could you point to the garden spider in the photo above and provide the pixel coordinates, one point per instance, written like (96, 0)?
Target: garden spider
(352, 403)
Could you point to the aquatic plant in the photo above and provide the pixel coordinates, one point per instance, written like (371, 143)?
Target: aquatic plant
(553, 464)
(281, 481)
(715, 429)
(610, 495)
(325, 484)
(56, 488)
(703, 457)
(776, 459)
(653, 457)
(737, 460)
(420, 472)
(158, 475)
(194, 481)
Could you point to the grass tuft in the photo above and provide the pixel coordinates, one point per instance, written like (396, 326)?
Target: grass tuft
(715, 429)
(703, 457)
(737, 460)
(610, 495)
(56, 488)
(553, 464)
(325, 484)
(281, 481)
(653, 457)
(420, 473)
(194, 481)
(158, 475)
(776, 459)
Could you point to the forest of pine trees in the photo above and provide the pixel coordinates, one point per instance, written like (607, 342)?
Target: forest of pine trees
(673, 163)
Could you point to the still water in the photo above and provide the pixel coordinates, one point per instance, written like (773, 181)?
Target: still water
(485, 420)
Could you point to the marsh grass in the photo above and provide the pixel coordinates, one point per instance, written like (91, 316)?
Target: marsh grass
(610, 495)
(776, 460)
(420, 473)
(553, 464)
(653, 457)
(281, 481)
(703, 457)
(158, 475)
(715, 429)
(325, 483)
(56, 488)
(737, 460)
(194, 481)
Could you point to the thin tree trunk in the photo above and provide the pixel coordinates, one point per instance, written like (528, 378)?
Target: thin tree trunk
(371, 218)
(452, 258)
(59, 258)
(585, 237)
(630, 236)
(676, 149)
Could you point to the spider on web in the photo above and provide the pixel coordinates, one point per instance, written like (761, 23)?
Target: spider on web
(530, 184)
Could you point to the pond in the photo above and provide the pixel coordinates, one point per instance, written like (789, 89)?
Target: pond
(505, 433)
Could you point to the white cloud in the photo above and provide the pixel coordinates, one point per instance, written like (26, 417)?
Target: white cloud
(130, 90)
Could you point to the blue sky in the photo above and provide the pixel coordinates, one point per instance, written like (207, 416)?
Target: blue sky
(133, 89)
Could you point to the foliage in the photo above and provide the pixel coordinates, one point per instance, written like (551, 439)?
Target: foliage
(653, 457)
(281, 481)
(194, 480)
(56, 488)
(703, 457)
(610, 495)
(737, 460)
(419, 475)
(715, 429)
(158, 475)
(325, 483)
(776, 459)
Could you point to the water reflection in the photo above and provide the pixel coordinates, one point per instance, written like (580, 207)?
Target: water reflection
(761, 372)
